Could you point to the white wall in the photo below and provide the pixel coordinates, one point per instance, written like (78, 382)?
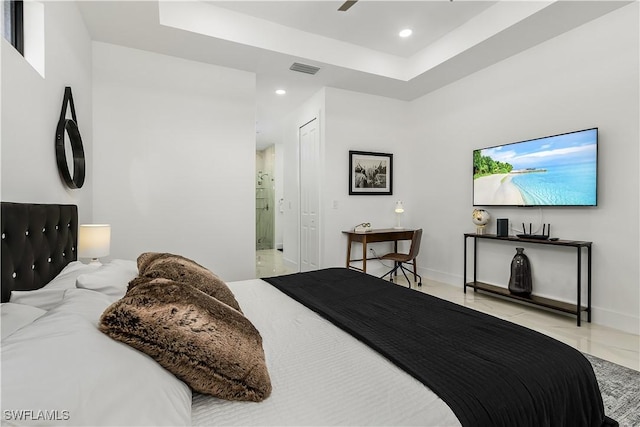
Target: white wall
(31, 108)
(361, 122)
(348, 121)
(175, 158)
(585, 78)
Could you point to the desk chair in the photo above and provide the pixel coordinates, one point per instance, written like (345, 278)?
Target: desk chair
(399, 259)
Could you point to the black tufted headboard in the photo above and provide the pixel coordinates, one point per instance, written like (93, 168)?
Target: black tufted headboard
(38, 241)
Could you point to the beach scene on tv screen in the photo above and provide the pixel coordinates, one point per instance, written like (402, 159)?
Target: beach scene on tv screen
(552, 171)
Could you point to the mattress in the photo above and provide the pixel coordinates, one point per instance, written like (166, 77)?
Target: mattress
(59, 369)
(320, 374)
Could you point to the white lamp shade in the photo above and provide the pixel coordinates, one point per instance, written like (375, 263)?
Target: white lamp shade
(94, 240)
(399, 207)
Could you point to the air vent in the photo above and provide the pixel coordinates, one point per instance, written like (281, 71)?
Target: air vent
(304, 68)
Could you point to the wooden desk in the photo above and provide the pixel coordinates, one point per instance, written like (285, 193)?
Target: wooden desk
(379, 235)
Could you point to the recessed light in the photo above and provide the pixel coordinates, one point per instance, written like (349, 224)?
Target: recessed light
(281, 92)
(405, 33)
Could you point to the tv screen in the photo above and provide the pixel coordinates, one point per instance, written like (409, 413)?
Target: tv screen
(558, 170)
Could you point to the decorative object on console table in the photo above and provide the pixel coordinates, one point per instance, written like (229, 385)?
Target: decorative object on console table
(69, 127)
(546, 229)
(480, 219)
(399, 210)
(520, 282)
(502, 225)
(370, 173)
(94, 241)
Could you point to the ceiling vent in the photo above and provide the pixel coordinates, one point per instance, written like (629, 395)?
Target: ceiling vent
(304, 68)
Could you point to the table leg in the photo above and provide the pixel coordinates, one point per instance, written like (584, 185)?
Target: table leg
(395, 249)
(475, 256)
(589, 283)
(464, 283)
(349, 251)
(364, 255)
(579, 305)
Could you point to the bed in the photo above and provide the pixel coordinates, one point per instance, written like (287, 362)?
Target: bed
(329, 359)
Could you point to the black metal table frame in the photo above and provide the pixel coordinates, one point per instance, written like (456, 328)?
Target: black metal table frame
(557, 305)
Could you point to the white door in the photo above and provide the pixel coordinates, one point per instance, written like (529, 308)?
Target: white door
(309, 196)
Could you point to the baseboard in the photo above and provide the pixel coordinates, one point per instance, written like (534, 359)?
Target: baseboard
(290, 264)
(441, 276)
(612, 319)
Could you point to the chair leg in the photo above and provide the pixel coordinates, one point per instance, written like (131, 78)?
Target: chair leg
(405, 275)
(390, 272)
(399, 265)
(417, 276)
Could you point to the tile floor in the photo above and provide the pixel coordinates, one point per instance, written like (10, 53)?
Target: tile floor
(600, 341)
(269, 263)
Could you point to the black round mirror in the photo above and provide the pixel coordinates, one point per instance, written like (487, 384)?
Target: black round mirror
(74, 178)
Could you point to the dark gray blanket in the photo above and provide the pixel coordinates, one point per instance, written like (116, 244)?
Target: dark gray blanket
(490, 372)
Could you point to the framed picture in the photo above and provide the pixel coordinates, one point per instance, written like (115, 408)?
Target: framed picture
(370, 173)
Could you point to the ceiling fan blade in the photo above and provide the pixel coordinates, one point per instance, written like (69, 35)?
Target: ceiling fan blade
(347, 5)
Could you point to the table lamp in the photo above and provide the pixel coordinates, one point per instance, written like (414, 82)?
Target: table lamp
(94, 241)
(399, 210)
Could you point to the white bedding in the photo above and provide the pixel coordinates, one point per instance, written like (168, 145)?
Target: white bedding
(320, 374)
(59, 369)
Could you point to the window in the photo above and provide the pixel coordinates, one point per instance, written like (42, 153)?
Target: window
(13, 23)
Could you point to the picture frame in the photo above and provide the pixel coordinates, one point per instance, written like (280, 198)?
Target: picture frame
(370, 173)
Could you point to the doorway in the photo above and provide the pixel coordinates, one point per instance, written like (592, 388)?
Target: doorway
(265, 198)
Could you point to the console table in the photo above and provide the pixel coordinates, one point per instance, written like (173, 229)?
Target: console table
(576, 308)
(372, 236)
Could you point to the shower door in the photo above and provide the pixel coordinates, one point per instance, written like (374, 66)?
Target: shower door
(265, 219)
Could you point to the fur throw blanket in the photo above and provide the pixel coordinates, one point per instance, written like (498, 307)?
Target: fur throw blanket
(154, 265)
(188, 320)
(203, 341)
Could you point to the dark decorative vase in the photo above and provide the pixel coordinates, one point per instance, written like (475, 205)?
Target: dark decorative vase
(520, 282)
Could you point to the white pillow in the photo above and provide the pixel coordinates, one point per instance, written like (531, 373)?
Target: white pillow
(110, 279)
(66, 279)
(45, 299)
(52, 293)
(83, 302)
(15, 316)
(63, 363)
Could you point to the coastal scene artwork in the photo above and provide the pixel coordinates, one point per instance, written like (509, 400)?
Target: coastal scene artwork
(370, 173)
(557, 170)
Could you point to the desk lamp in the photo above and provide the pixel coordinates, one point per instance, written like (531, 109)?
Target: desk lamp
(94, 241)
(399, 210)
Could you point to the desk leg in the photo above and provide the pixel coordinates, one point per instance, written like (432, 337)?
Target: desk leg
(395, 250)
(364, 255)
(349, 251)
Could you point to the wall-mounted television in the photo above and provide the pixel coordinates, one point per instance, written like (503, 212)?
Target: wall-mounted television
(558, 170)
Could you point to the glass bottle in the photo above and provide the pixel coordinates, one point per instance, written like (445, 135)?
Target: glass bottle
(520, 282)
